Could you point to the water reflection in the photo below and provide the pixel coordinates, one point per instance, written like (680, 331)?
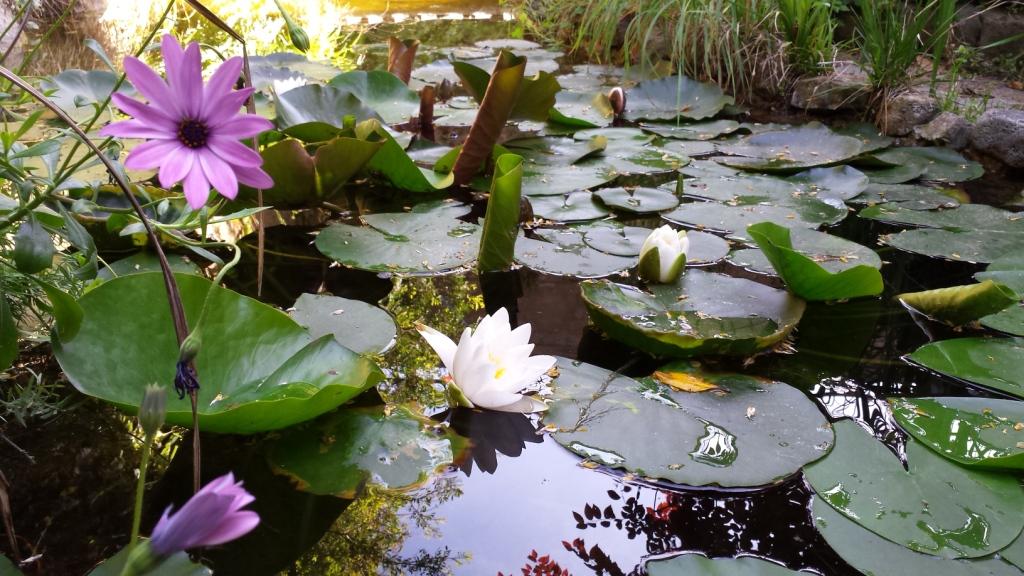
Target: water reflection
(846, 399)
(491, 433)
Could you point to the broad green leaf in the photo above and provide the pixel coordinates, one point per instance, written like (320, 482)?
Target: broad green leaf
(315, 113)
(356, 325)
(33, 247)
(428, 240)
(832, 253)
(933, 506)
(146, 261)
(971, 232)
(959, 305)
(749, 432)
(382, 92)
(996, 363)
(8, 568)
(392, 162)
(974, 432)
(285, 65)
(870, 136)
(627, 240)
(581, 110)
(178, 564)
(1008, 270)
(535, 99)
(565, 253)
(732, 221)
(835, 182)
(807, 278)
(938, 164)
(258, 370)
(674, 97)
(501, 221)
(693, 130)
(1010, 320)
(895, 174)
(702, 313)
(573, 207)
(8, 335)
(76, 89)
(910, 196)
(697, 564)
(790, 150)
(342, 453)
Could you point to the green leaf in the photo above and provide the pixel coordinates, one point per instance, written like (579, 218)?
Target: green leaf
(959, 305)
(356, 325)
(65, 310)
(8, 335)
(573, 207)
(693, 130)
(935, 163)
(178, 564)
(535, 98)
(791, 150)
(315, 113)
(1008, 270)
(732, 220)
(1010, 320)
(744, 432)
(638, 200)
(33, 247)
(75, 89)
(382, 92)
(702, 313)
(146, 261)
(341, 454)
(428, 240)
(996, 363)
(578, 110)
(501, 222)
(674, 97)
(392, 162)
(258, 369)
(697, 564)
(913, 197)
(932, 506)
(805, 277)
(974, 432)
(565, 253)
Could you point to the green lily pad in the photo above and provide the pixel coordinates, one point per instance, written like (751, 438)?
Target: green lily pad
(997, 363)
(75, 89)
(871, 138)
(693, 131)
(702, 313)
(895, 174)
(697, 564)
(301, 179)
(938, 164)
(1010, 320)
(628, 240)
(733, 220)
(674, 97)
(177, 564)
(356, 325)
(565, 253)
(876, 556)
(971, 232)
(747, 432)
(258, 369)
(393, 163)
(573, 207)
(427, 240)
(1008, 271)
(959, 305)
(809, 279)
(638, 200)
(581, 110)
(909, 196)
(283, 65)
(974, 432)
(832, 253)
(341, 454)
(1014, 553)
(791, 150)
(382, 92)
(553, 180)
(146, 261)
(315, 113)
(836, 182)
(933, 506)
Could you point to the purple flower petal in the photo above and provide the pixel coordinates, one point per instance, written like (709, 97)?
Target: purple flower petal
(149, 155)
(135, 129)
(234, 152)
(150, 85)
(219, 173)
(144, 112)
(254, 177)
(187, 82)
(238, 525)
(243, 126)
(222, 81)
(176, 166)
(172, 53)
(197, 187)
(212, 516)
(226, 108)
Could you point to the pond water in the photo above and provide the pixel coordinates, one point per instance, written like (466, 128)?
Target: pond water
(514, 500)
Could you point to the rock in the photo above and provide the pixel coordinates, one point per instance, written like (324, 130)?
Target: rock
(999, 24)
(845, 88)
(1000, 133)
(946, 128)
(905, 111)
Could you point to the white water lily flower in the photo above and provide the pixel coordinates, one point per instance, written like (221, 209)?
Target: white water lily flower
(282, 86)
(663, 255)
(492, 366)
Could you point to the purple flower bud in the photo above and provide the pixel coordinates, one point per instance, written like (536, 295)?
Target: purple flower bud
(212, 516)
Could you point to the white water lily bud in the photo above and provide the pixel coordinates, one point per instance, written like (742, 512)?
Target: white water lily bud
(663, 255)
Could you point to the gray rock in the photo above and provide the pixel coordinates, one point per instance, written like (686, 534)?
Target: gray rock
(905, 111)
(845, 88)
(946, 128)
(1000, 133)
(998, 24)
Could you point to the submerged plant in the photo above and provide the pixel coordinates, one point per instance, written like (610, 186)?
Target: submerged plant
(663, 255)
(491, 366)
(193, 130)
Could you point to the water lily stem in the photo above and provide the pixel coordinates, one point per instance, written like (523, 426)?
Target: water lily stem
(140, 489)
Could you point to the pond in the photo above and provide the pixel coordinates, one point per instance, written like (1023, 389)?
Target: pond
(800, 395)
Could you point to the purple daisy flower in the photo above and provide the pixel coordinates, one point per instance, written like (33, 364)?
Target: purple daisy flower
(193, 130)
(211, 516)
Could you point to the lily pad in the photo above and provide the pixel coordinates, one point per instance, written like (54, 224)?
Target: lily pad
(356, 325)
(836, 182)
(974, 432)
(895, 174)
(702, 313)
(392, 162)
(933, 506)
(832, 253)
(909, 196)
(581, 110)
(382, 92)
(747, 432)
(283, 65)
(697, 564)
(1010, 320)
(871, 138)
(315, 113)
(638, 200)
(876, 556)
(573, 207)
(959, 305)
(733, 220)
(628, 240)
(938, 164)
(427, 240)
(343, 453)
(674, 97)
(75, 89)
(565, 253)
(791, 150)
(809, 279)
(694, 130)
(996, 363)
(258, 369)
(971, 232)
(1008, 271)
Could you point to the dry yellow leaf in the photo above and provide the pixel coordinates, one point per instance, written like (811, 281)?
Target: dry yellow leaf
(684, 382)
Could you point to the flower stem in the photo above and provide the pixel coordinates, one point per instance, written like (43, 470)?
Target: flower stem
(140, 489)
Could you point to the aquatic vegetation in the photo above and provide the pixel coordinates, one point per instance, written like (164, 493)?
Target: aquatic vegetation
(663, 255)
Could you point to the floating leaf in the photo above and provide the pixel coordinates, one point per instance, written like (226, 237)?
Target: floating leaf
(974, 432)
(427, 240)
(637, 200)
(683, 381)
(146, 261)
(961, 304)
(694, 130)
(938, 164)
(356, 325)
(501, 222)
(971, 232)
(997, 363)
(791, 150)
(832, 253)
(258, 369)
(382, 92)
(702, 313)
(804, 276)
(932, 506)
(913, 197)
(178, 564)
(301, 180)
(674, 97)
(344, 452)
(578, 110)
(836, 182)
(697, 564)
(1008, 270)
(1010, 320)
(613, 238)
(709, 439)
(315, 113)
(573, 207)
(392, 162)
(733, 220)
(565, 253)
